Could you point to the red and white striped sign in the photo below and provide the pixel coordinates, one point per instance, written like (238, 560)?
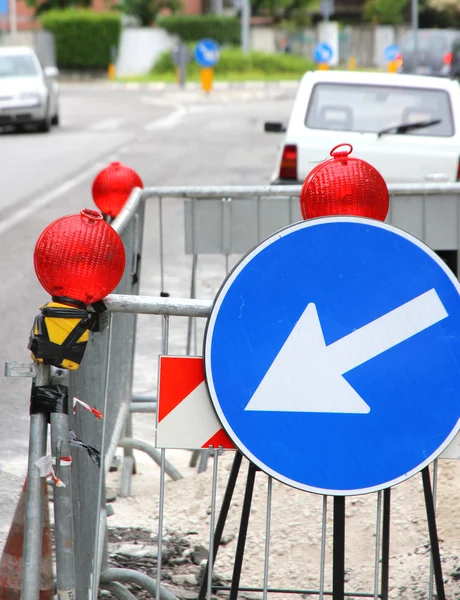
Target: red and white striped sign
(185, 415)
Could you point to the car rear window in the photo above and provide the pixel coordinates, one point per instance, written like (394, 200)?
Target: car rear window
(371, 108)
(435, 41)
(20, 65)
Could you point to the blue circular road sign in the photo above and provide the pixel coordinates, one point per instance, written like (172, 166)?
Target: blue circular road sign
(207, 53)
(323, 53)
(332, 355)
(391, 52)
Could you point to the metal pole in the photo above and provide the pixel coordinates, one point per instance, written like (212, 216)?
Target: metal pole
(435, 485)
(323, 549)
(13, 18)
(162, 480)
(101, 502)
(63, 513)
(378, 529)
(414, 13)
(188, 350)
(386, 543)
(246, 26)
(244, 523)
(33, 527)
(434, 541)
(163, 294)
(267, 537)
(212, 521)
(338, 551)
(160, 524)
(225, 507)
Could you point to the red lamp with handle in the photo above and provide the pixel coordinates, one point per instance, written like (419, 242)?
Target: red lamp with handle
(113, 186)
(344, 185)
(79, 259)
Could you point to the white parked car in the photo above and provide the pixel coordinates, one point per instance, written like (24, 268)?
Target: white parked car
(407, 126)
(29, 93)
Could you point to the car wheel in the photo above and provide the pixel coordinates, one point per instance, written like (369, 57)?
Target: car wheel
(45, 125)
(55, 119)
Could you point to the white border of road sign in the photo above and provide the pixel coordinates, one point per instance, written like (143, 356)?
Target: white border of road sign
(212, 320)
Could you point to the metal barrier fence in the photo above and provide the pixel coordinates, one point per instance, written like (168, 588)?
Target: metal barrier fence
(217, 221)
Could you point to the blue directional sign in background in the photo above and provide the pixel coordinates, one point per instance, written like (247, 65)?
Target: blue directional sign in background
(207, 53)
(3, 7)
(391, 52)
(322, 53)
(332, 355)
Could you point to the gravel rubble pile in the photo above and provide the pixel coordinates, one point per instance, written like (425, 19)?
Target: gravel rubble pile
(295, 533)
(183, 561)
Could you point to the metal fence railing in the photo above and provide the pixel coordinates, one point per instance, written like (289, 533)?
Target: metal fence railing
(214, 223)
(373, 534)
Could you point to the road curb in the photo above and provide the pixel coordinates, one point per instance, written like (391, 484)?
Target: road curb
(218, 85)
(223, 91)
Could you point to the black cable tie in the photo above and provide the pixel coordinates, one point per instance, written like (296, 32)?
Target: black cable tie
(135, 278)
(67, 312)
(54, 352)
(98, 317)
(47, 399)
(51, 353)
(99, 306)
(94, 454)
(67, 300)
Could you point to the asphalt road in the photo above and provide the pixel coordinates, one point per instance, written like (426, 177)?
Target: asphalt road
(169, 138)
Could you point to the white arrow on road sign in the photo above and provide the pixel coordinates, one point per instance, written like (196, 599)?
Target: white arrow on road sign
(306, 375)
(209, 54)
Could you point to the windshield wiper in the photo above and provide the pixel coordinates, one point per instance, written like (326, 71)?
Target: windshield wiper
(405, 127)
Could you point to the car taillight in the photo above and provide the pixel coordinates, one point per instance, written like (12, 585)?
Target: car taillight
(448, 58)
(458, 170)
(288, 168)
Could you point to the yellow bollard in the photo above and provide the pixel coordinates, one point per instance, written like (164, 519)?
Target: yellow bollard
(352, 63)
(207, 76)
(111, 71)
(393, 66)
(323, 66)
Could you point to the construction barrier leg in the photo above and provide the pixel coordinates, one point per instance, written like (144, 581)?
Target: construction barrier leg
(33, 521)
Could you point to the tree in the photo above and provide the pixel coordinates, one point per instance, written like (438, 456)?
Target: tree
(147, 11)
(385, 12)
(43, 6)
(450, 6)
(297, 11)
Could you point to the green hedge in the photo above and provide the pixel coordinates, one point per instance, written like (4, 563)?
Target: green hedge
(191, 28)
(232, 60)
(84, 39)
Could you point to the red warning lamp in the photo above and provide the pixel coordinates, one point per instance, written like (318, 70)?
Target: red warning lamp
(79, 257)
(344, 185)
(112, 187)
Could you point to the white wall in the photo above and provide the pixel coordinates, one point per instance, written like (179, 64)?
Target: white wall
(385, 35)
(21, 38)
(329, 32)
(140, 47)
(263, 39)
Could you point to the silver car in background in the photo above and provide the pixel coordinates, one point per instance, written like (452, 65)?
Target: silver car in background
(435, 52)
(29, 93)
